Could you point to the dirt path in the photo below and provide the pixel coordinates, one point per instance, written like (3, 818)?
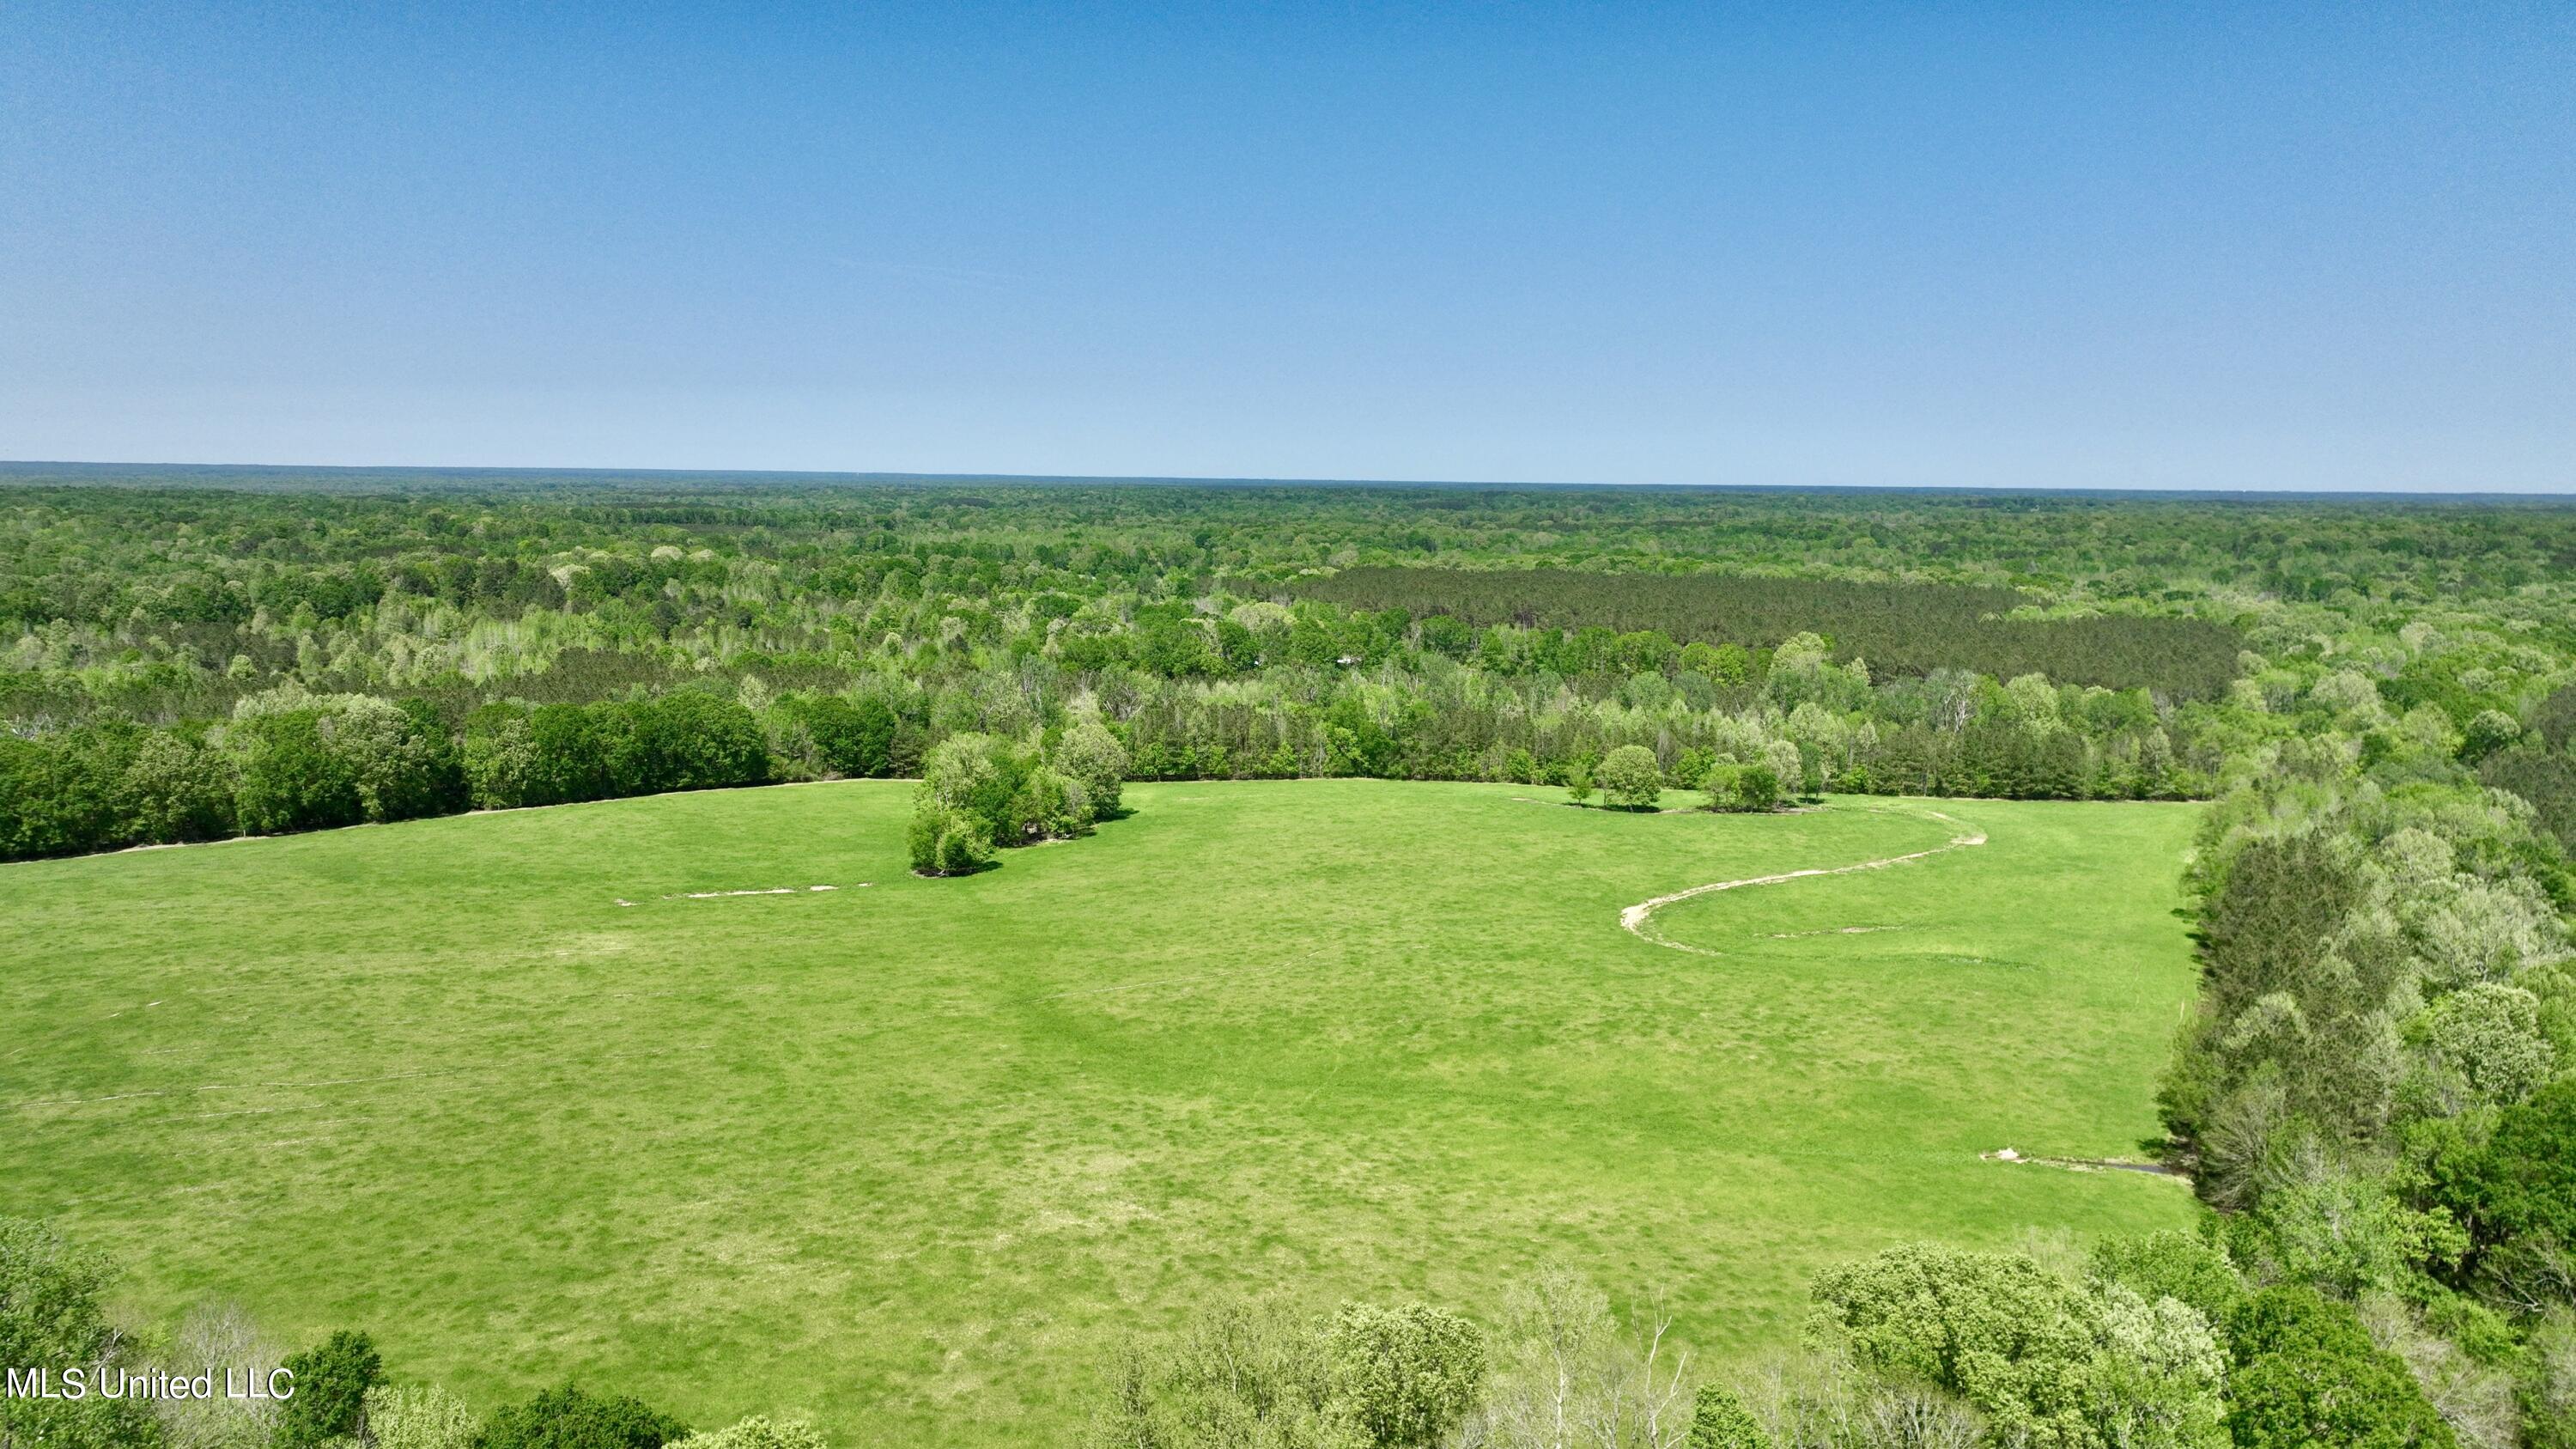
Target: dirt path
(2087, 1164)
(1639, 918)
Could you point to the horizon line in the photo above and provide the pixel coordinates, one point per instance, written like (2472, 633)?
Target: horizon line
(13, 471)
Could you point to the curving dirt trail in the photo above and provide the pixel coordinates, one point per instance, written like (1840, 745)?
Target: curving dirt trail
(1639, 920)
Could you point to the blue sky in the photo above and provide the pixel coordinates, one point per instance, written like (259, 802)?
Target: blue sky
(1961, 245)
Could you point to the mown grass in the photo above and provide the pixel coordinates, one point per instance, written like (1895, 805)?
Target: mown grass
(908, 1157)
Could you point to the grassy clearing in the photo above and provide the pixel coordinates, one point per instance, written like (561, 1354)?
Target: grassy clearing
(905, 1157)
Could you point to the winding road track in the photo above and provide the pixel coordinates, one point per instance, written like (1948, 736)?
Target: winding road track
(1639, 919)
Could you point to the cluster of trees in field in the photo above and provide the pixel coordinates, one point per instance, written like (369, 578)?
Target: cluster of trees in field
(54, 1319)
(979, 794)
(1904, 628)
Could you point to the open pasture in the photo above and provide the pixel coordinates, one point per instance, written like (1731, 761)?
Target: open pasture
(908, 1155)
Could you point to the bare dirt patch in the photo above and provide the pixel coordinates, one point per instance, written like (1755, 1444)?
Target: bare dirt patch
(757, 891)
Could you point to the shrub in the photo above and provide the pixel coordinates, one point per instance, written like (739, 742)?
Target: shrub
(2545, 778)
(568, 756)
(498, 757)
(2548, 1391)
(852, 740)
(1719, 1420)
(971, 773)
(568, 1418)
(55, 799)
(2554, 719)
(2344, 1231)
(1630, 777)
(1822, 1401)
(50, 1314)
(1790, 770)
(2490, 1034)
(1241, 1376)
(330, 1399)
(1046, 806)
(1561, 1360)
(758, 1432)
(219, 1338)
(705, 743)
(1749, 789)
(1407, 1375)
(978, 792)
(948, 842)
(176, 789)
(1995, 1329)
(400, 758)
(2171, 1264)
(2491, 730)
(426, 1417)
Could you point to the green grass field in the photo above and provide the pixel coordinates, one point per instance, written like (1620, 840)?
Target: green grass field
(906, 1157)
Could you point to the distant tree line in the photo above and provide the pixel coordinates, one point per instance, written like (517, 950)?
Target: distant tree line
(189, 662)
(290, 759)
(165, 604)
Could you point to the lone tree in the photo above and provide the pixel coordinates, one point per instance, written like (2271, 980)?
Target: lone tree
(1719, 1420)
(1092, 755)
(1409, 1375)
(331, 1383)
(2308, 1373)
(1791, 769)
(1631, 778)
(958, 808)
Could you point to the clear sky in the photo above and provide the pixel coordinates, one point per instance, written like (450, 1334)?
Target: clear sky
(2054, 245)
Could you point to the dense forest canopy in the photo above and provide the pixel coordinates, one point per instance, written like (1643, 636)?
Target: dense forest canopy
(113, 580)
(174, 646)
